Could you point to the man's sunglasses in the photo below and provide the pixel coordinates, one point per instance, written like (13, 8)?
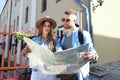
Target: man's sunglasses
(65, 20)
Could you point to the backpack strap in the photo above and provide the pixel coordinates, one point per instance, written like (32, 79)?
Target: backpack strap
(80, 36)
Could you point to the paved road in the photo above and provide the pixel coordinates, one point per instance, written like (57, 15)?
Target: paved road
(109, 71)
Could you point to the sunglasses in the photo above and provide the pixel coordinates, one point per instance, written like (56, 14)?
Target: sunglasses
(65, 20)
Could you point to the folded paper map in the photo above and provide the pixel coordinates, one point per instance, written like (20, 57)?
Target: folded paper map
(63, 62)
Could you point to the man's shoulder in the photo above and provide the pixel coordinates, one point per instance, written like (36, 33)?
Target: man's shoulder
(85, 32)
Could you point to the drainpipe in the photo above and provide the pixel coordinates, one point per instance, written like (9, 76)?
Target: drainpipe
(87, 16)
(33, 14)
(8, 30)
(20, 26)
(90, 18)
(86, 21)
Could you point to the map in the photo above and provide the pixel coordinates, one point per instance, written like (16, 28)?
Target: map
(63, 62)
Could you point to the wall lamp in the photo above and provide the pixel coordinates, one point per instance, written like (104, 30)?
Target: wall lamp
(99, 3)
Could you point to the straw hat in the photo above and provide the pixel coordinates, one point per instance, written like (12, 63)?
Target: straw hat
(47, 18)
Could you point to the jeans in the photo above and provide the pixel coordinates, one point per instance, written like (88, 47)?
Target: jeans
(41, 76)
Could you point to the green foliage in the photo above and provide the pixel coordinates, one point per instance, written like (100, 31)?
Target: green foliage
(20, 35)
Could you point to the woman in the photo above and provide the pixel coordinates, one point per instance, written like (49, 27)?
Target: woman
(45, 38)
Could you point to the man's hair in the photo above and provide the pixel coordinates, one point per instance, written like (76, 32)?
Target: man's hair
(70, 11)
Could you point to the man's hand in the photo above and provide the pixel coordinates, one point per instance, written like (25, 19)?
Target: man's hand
(26, 50)
(89, 56)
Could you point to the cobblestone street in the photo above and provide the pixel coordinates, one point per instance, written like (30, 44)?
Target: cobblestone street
(109, 71)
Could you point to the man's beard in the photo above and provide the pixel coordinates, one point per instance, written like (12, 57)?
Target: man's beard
(67, 26)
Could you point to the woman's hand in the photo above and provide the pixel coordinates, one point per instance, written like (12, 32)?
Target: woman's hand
(26, 50)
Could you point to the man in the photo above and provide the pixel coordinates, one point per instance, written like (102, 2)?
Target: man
(70, 39)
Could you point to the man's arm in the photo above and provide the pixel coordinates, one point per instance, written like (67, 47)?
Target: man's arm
(91, 54)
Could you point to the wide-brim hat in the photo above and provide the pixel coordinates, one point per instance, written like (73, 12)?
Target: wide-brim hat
(47, 18)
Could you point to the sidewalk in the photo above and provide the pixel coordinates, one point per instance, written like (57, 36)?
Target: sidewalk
(109, 71)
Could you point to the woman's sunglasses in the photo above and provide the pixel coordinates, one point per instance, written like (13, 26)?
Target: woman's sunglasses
(65, 20)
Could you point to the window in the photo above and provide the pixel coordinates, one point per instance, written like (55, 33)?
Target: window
(14, 25)
(61, 33)
(26, 14)
(44, 5)
(17, 20)
(7, 14)
(15, 2)
(4, 19)
(57, 1)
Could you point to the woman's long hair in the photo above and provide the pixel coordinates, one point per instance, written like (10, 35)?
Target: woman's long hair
(50, 35)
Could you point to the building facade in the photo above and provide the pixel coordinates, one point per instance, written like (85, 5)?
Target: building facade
(25, 13)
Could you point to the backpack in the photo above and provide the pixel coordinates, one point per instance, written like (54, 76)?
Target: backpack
(80, 36)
